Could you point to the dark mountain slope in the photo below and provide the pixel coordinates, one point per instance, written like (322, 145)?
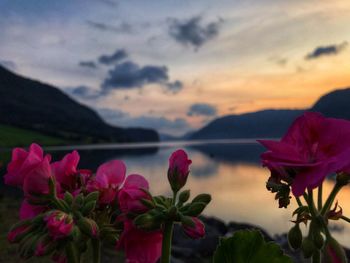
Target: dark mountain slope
(272, 123)
(33, 105)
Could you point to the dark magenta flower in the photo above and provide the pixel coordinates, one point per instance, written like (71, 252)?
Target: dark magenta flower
(14, 233)
(313, 147)
(28, 211)
(178, 169)
(22, 163)
(140, 246)
(197, 231)
(65, 171)
(36, 181)
(130, 194)
(109, 177)
(59, 224)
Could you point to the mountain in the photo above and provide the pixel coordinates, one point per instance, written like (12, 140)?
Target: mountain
(33, 105)
(335, 104)
(272, 123)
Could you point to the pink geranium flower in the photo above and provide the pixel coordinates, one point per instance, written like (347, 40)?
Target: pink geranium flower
(109, 177)
(313, 147)
(197, 231)
(22, 163)
(59, 224)
(36, 181)
(178, 169)
(65, 171)
(140, 246)
(130, 194)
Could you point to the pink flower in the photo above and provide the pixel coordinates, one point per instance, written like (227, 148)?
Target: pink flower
(14, 233)
(130, 194)
(36, 181)
(40, 249)
(65, 171)
(178, 169)
(59, 224)
(197, 231)
(109, 177)
(313, 148)
(28, 211)
(140, 246)
(22, 163)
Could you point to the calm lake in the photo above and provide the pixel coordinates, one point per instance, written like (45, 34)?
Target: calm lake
(227, 169)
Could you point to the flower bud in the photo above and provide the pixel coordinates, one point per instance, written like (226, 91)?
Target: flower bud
(148, 221)
(187, 221)
(178, 169)
(59, 224)
(307, 247)
(295, 237)
(195, 209)
(333, 252)
(204, 198)
(184, 196)
(93, 196)
(197, 231)
(88, 207)
(88, 227)
(17, 233)
(68, 197)
(343, 178)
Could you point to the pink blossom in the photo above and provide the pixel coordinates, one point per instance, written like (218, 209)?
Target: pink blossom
(28, 211)
(22, 163)
(65, 171)
(197, 231)
(178, 169)
(130, 194)
(59, 224)
(109, 177)
(313, 147)
(140, 246)
(37, 180)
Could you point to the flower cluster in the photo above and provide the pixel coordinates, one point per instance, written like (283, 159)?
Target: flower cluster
(67, 210)
(313, 148)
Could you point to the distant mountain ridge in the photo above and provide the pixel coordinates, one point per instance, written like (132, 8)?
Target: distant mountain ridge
(272, 123)
(30, 104)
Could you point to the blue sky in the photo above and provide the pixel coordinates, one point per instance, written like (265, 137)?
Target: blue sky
(225, 56)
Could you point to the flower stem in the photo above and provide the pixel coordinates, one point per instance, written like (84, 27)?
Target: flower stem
(299, 201)
(345, 219)
(316, 257)
(96, 250)
(331, 198)
(319, 199)
(166, 244)
(71, 253)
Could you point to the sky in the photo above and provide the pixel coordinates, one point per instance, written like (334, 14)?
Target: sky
(175, 65)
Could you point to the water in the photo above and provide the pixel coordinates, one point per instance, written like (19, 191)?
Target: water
(227, 169)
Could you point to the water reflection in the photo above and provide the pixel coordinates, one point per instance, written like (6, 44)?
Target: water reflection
(229, 171)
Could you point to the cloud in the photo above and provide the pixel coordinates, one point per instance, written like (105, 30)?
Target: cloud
(123, 27)
(88, 64)
(129, 75)
(326, 50)
(162, 124)
(280, 61)
(202, 109)
(175, 86)
(116, 57)
(83, 92)
(8, 64)
(192, 32)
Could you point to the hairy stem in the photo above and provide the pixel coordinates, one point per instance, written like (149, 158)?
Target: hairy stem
(331, 198)
(319, 199)
(167, 239)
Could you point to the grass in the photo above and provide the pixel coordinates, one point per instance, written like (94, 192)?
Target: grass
(12, 136)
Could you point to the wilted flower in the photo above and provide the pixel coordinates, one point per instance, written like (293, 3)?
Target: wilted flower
(313, 147)
(178, 169)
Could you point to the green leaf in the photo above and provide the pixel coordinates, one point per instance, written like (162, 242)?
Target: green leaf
(249, 246)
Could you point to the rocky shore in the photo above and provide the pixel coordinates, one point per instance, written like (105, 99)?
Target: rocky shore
(186, 250)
